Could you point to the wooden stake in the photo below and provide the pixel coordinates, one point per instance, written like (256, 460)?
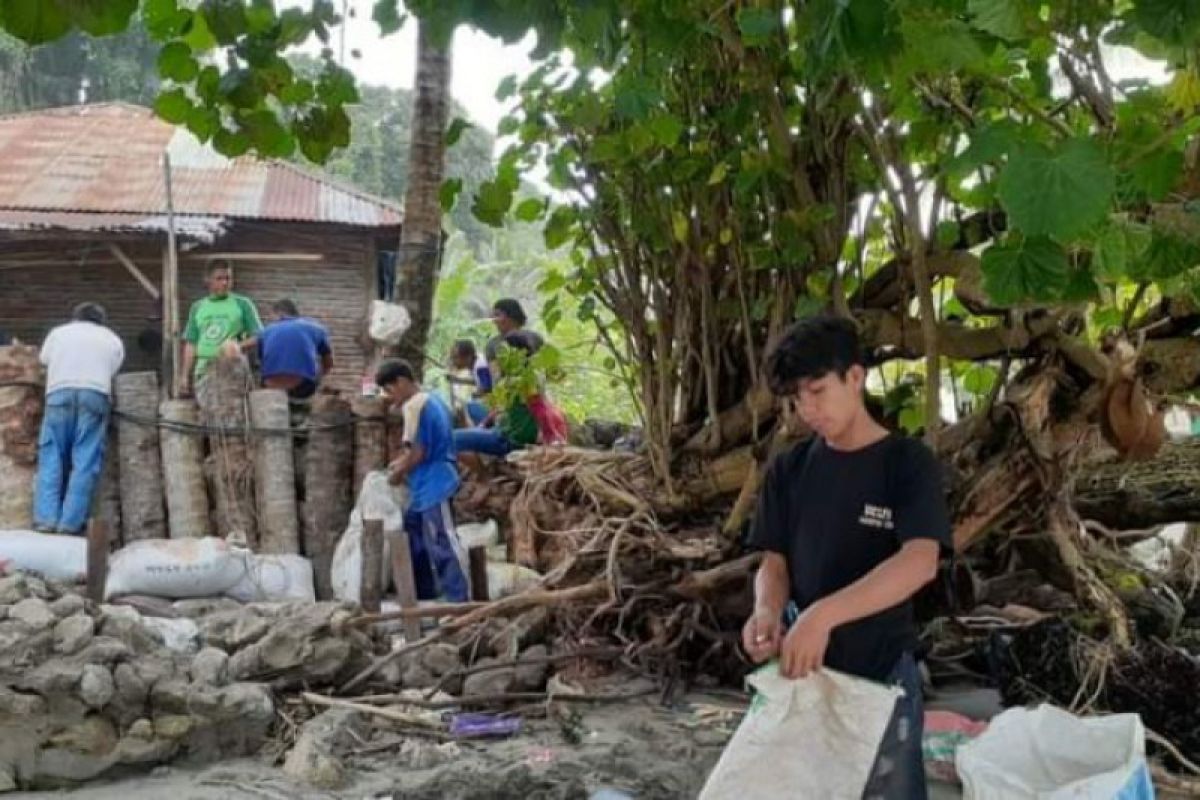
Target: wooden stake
(406, 584)
(97, 559)
(372, 566)
(479, 579)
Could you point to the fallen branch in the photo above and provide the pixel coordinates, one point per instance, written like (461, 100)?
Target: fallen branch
(385, 713)
(500, 699)
(422, 612)
(508, 663)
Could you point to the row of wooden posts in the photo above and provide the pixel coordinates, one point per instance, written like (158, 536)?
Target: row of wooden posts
(283, 488)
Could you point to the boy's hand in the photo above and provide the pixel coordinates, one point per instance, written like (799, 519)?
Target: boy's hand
(803, 649)
(761, 635)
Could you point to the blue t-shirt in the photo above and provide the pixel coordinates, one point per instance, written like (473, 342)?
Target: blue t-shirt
(435, 479)
(483, 375)
(293, 346)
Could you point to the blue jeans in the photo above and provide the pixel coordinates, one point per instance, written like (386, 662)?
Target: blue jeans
(488, 441)
(476, 411)
(439, 562)
(899, 770)
(70, 456)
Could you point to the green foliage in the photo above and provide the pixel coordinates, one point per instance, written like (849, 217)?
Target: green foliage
(1059, 192)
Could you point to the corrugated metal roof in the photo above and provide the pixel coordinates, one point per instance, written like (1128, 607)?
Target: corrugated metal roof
(107, 158)
(193, 227)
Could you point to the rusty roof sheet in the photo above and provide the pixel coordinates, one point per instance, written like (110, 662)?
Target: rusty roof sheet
(107, 158)
(205, 230)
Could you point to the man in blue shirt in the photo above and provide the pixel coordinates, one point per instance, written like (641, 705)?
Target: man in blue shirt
(428, 465)
(294, 351)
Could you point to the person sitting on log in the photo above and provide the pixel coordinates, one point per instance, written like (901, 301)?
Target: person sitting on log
(464, 357)
(428, 465)
(81, 359)
(852, 523)
(294, 351)
(221, 318)
(530, 417)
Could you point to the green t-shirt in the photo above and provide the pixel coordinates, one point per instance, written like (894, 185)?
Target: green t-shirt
(213, 321)
(518, 425)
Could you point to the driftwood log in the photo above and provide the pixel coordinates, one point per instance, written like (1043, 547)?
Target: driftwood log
(222, 394)
(274, 473)
(183, 471)
(328, 476)
(21, 394)
(143, 515)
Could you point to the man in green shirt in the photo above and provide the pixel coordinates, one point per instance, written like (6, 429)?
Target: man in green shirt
(221, 317)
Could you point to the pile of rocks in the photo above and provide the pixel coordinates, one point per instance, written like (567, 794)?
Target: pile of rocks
(85, 689)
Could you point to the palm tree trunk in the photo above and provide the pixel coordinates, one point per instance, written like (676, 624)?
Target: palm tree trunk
(421, 236)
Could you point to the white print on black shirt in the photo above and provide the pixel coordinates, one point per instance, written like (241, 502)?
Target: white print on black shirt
(876, 517)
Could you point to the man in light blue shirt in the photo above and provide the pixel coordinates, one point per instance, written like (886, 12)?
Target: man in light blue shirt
(428, 465)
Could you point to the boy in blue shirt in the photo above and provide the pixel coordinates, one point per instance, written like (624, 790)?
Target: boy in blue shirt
(294, 351)
(428, 465)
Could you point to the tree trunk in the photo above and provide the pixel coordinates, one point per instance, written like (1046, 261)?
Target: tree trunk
(421, 236)
(143, 515)
(1125, 495)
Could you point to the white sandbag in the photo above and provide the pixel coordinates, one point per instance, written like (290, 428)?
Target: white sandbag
(175, 568)
(376, 500)
(505, 579)
(478, 534)
(53, 556)
(275, 578)
(812, 737)
(389, 321)
(1050, 754)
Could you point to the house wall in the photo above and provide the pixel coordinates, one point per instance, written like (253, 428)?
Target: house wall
(335, 290)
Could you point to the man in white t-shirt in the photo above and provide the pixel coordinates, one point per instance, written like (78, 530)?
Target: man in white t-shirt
(81, 359)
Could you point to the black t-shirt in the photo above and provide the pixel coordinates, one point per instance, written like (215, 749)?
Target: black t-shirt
(533, 338)
(835, 516)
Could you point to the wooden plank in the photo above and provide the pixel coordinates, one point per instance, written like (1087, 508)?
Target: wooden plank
(170, 282)
(97, 559)
(133, 270)
(477, 557)
(371, 594)
(406, 584)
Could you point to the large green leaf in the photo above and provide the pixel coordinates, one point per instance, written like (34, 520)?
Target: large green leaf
(1060, 192)
(99, 17)
(492, 203)
(173, 106)
(388, 16)
(757, 24)
(176, 62)
(448, 193)
(164, 18)
(1156, 174)
(1033, 268)
(457, 128)
(226, 19)
(1175, 22)
(34, 21)
(1001, 18)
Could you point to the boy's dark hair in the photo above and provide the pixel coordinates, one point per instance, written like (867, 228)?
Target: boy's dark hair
(465, 348)
(90, 312)
(512, 309)
(286, 307)
(393, 370)
(519, 341)
(812, 348)
(218, 264)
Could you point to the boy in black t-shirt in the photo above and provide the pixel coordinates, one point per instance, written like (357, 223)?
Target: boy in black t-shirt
(852, 523)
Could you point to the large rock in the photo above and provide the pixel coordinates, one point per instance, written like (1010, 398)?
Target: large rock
(233, 629)
(125, 624)
(80, 752)
(15, 588)
(68, 606)
(21, 706)
(494, 681)
(21, 649)
(50, 678)
(96, 686)
(34, 613)
(532, 677)
(439, 658)
(316, 758)
(129, 698)
(211, 666)
(73, 633)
